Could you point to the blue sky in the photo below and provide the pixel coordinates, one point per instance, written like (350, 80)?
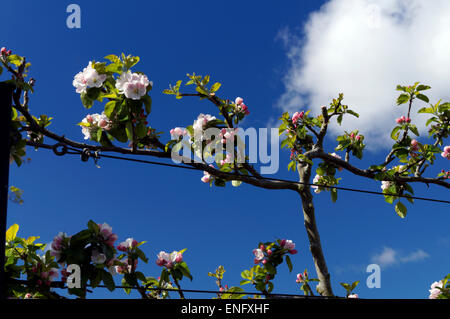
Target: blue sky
(250, 49)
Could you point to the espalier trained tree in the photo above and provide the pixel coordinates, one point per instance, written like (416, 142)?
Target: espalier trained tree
(126, 104)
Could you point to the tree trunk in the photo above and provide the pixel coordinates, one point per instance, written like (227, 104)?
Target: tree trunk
(324, 286)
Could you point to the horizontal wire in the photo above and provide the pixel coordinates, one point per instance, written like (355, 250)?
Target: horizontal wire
(60, 285)
(98, 156)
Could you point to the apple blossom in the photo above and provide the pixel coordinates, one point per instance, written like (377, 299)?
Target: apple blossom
(414, 145)
(98, 258)
(259, 255)
(353, 296)
(92, 122)
(227, 160)
(201, 122)
(88, 78)
(126, 267)
(297, 116)
(57, 245)
(240, 106)
(128, 244)
(385, 185)
(105, 231)
(446, 152)
(299, 278)
(169, 260)
(206, 176)
(176, 132)
(402, 120)
(435, 291)
(133, 85)
(316, 181)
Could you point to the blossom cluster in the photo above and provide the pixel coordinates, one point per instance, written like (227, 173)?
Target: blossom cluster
(296, 117)
(133, 85)
(206, 176)
(169, 260)
(228, 134)
(88, 78)
(5, 52)
(58, 245)
(446, 152)
(45, 276)
(201, 122)
(106, 234)
(176, 132)
(92, 122)
(403, 120)
(435, 291)
(240, 106)
(127, 245)
(263, 253)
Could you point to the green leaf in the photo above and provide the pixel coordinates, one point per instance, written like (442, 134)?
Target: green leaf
(400, 209)
(423, 87)
(215, 87)
(353, 113)
(93, 226)
(423, 98)
(394, 133)
(333, 193)
(15, 59)
(109, 108)
(413, 129)
(86, 101)
(129, 130)
(141, 255)
(12, 232)
(403, 98)
(289, 263)
(147, 103)
(185, 270)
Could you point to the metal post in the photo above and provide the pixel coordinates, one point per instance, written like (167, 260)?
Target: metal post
(6, 91)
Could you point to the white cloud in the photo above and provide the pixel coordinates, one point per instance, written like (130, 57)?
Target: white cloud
(364, 49)
(389, 257)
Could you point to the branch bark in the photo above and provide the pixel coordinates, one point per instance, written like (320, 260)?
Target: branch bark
(315, 246)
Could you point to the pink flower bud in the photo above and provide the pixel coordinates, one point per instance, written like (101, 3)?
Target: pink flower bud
(269, 252)
(293, 251)
(262, 247)
(283, 242)
(264, 261)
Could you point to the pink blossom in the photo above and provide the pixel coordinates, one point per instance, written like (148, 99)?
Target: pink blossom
(355, 296)
(297, 116)
(299, 278)
(403, 119)
(128, 244)
(435, 291)
(446, 152)
(169, 260)
(206, 176)
(240, 106)
(414, 145)
(176, 132)
(259, 255)
(288, 244)
(133, 85)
